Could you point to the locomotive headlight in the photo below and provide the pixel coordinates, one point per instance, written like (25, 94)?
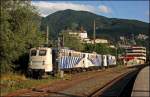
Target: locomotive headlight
(31, 62)
(57, 59)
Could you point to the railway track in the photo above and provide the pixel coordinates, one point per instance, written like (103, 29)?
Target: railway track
(121, 86)
(67, 88)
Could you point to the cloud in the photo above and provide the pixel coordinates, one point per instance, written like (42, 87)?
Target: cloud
(104, 9)
(147, 13)
(46, 8)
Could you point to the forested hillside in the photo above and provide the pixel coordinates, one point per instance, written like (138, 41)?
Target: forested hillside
(111, 28)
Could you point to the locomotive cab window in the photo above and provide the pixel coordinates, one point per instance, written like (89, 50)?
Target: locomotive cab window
(33, 53)
(42, 52)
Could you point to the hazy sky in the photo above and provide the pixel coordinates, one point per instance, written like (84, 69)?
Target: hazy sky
(138, 10)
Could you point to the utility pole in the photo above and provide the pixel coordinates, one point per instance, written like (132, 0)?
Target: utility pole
(47, 34)
(117, 52)
(133, 40)
(94, 32)
(60, 72)
(62, 40)
(58, 51)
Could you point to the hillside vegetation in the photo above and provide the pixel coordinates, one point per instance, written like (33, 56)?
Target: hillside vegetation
(110, 28)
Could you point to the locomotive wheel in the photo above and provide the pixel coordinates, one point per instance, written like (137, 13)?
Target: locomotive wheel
(29, 74)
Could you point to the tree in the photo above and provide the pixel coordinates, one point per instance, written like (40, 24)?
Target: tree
(72, 41)
(19, 31)
(99, 48)
(74, 26)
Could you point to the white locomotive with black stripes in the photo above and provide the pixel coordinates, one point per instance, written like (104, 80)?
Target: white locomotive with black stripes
(48, 60)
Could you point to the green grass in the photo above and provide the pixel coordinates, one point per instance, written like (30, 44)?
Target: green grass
(11, 82)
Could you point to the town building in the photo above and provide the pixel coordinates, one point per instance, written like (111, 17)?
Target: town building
(134, 55)
(142, 36)
(82, 35)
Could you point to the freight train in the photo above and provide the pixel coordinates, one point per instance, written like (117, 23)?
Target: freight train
(45, 60)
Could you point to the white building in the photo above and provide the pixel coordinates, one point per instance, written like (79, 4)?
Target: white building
(112, 46)
(97, 41)
(135, 55)
(101, 41)
(82, 35)
(136, 52)
(142, 36)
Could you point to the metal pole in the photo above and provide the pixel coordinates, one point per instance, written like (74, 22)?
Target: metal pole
(47, 33)
(94, 32)
(62, 40)
(60, 72)
(116, 55)
(58, 44)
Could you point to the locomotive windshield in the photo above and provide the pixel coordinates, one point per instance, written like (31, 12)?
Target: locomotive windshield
(42, 52)
(33, 53)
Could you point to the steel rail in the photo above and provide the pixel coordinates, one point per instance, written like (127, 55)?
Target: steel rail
(101, 90)
(106, 86)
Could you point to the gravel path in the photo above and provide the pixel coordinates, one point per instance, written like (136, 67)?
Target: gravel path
(85, 88)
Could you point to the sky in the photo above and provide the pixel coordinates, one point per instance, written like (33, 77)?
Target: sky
(138, 10)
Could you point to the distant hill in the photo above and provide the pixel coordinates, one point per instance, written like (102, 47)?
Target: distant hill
(110, 28)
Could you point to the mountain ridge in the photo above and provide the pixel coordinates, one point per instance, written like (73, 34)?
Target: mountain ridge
(105, 26)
